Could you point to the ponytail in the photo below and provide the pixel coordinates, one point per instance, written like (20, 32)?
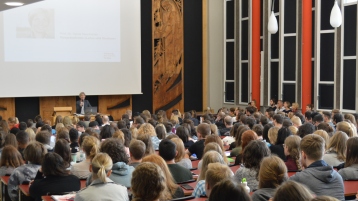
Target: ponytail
(101, 164)
(102, 174)
(91, 146)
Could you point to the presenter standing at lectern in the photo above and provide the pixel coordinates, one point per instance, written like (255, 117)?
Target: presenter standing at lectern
(82, 104)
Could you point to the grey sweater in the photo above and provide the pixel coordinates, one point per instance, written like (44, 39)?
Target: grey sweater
(349, 173)
(263, 194)
(321, 179)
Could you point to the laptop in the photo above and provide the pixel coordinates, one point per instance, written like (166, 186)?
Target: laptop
(91, 111)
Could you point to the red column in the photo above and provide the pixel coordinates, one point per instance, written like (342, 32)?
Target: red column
(306, 53)
(255, 79)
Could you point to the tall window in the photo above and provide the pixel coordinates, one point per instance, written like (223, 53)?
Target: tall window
(229, 52)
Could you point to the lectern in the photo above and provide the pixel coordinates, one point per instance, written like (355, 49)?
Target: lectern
(63, 111)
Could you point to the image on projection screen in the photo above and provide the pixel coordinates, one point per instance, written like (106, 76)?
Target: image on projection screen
(63, 31)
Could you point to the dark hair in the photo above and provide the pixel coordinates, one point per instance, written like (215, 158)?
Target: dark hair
(22, 137)
(168, 126)
(265, 131)
(29, 123)
(253, 154)
(121, 124)
(38, 118)
(53, 164)
(82, 138)
(308, 115)
(183, 133)
(167, 149)
(46, 128)
(337, 118)
(287, 122)
(62, 148)
(250, 109)
(93, 124)
(22, 126)
(352, 152)
(187, 115)
(250, 122)
(11, 157)
(87, 117)
(317, 118)
(293, 191)
(278, 118)
(282, 134)
(34, 152)
(258, 129)
(137, 149)
(106, 132)
(127, 136)
(149, 148)
(14, 130)
(240, 131)
(73, 135)
(305, 129)
(43, 137)
(264, 120)
(115, 149)
(229, 190)
(161, 133)
(325, 126)
(39, 124)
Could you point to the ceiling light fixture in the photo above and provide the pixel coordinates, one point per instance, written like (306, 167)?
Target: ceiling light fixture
(272, 23)
(14, 3)
(336, 16)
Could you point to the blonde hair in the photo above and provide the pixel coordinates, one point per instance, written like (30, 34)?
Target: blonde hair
(214, 129)
(175, 118)
(338, 143)
(180, 149)
(32, 134)
(272, 135)
(147, 114)
(292, 143)
(216, 139)
(217, 172)
(90, 145)
(148, 183)
(101, 164)
(119, 135)
(345, 127)
(58, 126)
(295, 105)
(134, 132)
(296, 121)
(75, 120)
(67, 121)
(169, 180)
(273, 172)
(210, 157)
(147, 128)
(324, 135)
(293, 129)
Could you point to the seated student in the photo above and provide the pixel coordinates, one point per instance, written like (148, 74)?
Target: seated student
(121, 172)
(57, 180)
(228, 121)
(293, 153)
(137, 152)
(336, 153)
(252, 156)
(148, 183)
(23, 140)
(183, 134)
(90, 146)
(11, 140)
(350, 170)
(167, 150)
(306, 129)
(216, 173)
(102, 188)
(180, 158)
(325, 181)
(272, 174)
(33, 154)
(173, 189)
(292, 191)
(44, 137)
(237, 146)
(81, 127)
(229, 190)
(10, 159)
(246, 138)
(197, 148)
(149, 148)
(75, 147)
(209, 157)
(62, 149)
(277, 148)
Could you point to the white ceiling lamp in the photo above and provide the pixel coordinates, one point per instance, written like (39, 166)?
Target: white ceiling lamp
(272, 23)
(336, 16)
(14, 3)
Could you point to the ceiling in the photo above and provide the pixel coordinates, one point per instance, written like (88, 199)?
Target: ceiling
(5, 7)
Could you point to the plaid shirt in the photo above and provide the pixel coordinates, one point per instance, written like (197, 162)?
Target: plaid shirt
(199, 189)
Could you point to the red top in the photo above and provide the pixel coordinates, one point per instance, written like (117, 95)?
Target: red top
(291, 164)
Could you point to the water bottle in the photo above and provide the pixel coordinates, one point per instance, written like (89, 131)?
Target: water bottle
(244, 184)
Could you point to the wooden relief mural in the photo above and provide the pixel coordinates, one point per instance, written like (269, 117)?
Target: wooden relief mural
(168, 55)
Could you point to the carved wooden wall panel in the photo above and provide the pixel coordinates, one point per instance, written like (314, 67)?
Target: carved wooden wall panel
(7, 107)
(115, 105)
(168, 55)
(48, 103)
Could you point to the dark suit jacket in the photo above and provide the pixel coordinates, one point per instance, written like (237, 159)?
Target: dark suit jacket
(78, 107)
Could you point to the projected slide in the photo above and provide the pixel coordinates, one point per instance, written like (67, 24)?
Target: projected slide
(63, 31)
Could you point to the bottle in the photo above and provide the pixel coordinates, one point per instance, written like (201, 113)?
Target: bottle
(244, 184)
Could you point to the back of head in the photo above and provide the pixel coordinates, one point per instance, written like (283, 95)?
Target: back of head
(352, 150)
(22, 126)
(337, 117)
(47, 128)
(292, 191)
(167, 149)
(210, 157)
(148, 143)
(266, 131)
(43, 137)
(313, 146)
(228, 120)
(53, 165)
(247, 137)
(204, 130)
(90, 146)
(10, 140)
(137, 149)
(292, 143)
(22, 137)
(101, 164)
(179, 148)
(106, 132)
(345, 127)
(183, 133)
(63, 134)
(282, 134)
(14, 130)
(229, 190)
(11, 157)
(73, 135)
(148, 182)
(258, 129)
(250, 122)
(296, 121)
(273, 172)
(217, 172)
(272, 134)
(253, 154)
(62, 148)
(278, 118)
(338, 143)
(115, 149)
(34, 153)
(324, 135)
(93, 124)
(147, 128)
(306, 129)
(160, 131)
(325, 126)
(324, 198)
